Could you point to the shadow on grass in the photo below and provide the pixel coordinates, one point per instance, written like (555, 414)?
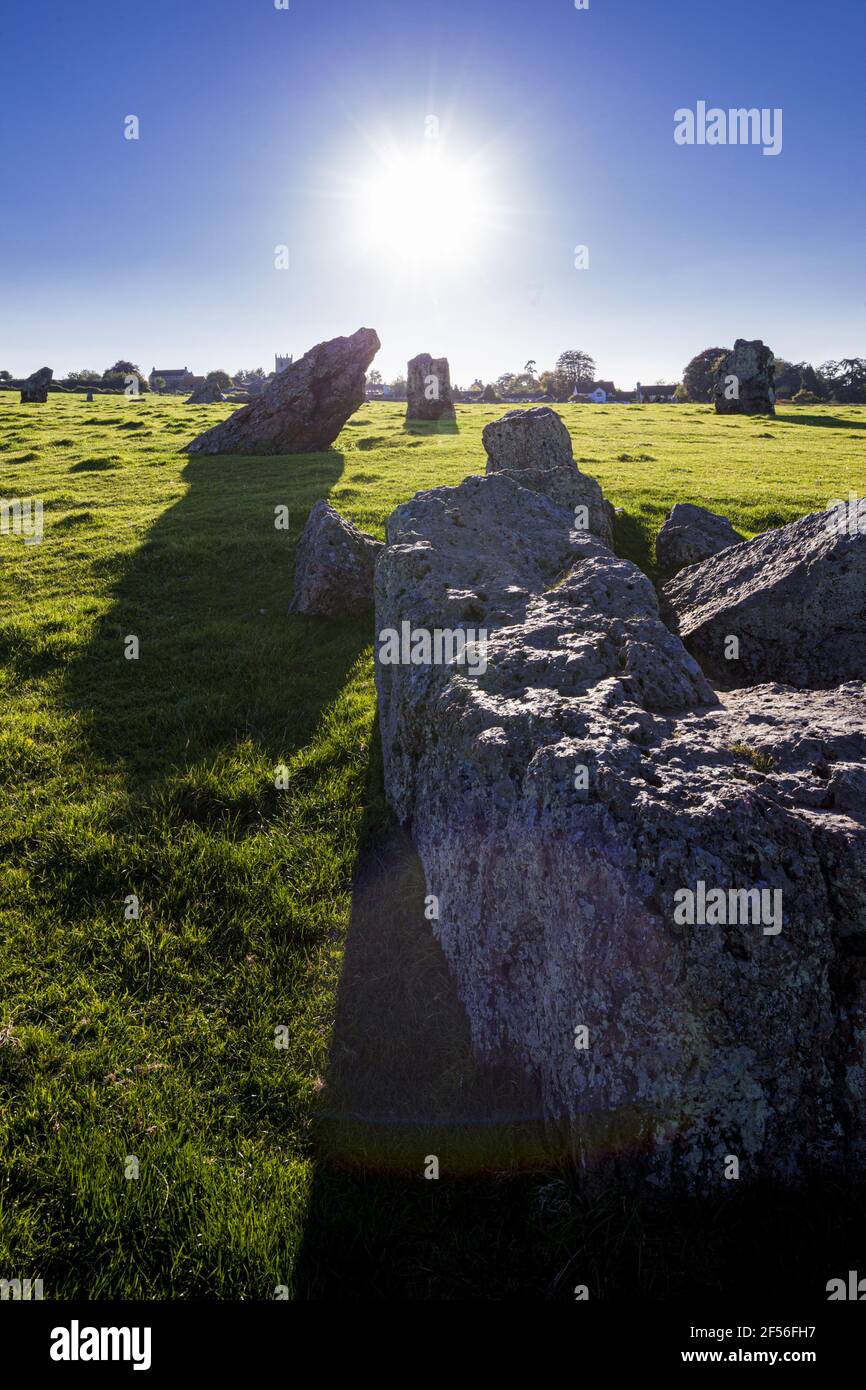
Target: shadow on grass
(827, 422)
(403, 1087)
(631, 541)
(207, 595)
(426, 428)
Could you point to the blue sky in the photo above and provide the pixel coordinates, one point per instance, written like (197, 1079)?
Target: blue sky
(261, 128)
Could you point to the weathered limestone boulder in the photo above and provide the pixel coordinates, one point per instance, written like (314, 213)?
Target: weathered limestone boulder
(34, 391)
(304, 408)
(569, 778)
(744, 381)
(691, 534)
(428, 389)
(334, 565)
(794, 599)
(534, 448)
(206, 394)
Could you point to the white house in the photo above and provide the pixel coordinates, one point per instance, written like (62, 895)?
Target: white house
(595, 391)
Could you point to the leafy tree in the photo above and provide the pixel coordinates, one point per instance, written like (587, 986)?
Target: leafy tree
(530, 367)
(115, 378)
(554, 385)
(123, 368)
(505, 384)
(575, 367)
(849, 380)
(219, 378)
(813, 381)
(374, 378)
(525, 384)
(787, 376)
(699, 375)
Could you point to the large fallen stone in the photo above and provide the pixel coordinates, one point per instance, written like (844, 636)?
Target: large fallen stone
(34, 390)
(794, 599)
(691, 534)
(744, 380)
(304, 408)
(568, 779)
(334, 565)
(428, 389)
(534, 448)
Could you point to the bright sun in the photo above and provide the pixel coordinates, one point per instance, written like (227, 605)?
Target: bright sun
(423, 209)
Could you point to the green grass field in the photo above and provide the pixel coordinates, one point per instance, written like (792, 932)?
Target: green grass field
(153, 1037)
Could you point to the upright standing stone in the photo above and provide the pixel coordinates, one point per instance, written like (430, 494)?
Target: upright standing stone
(744, 383)
(34, 391)
(428, 388)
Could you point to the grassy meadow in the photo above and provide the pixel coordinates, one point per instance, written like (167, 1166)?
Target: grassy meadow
(283, 915)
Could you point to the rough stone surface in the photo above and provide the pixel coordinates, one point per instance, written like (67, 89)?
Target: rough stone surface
(794, 598)
(304, 408)
(534, 448)
(428, 376)
(206, 394)
(752, 365)
(34, 391)
(334, 566)
(556, 899)
(691, 534)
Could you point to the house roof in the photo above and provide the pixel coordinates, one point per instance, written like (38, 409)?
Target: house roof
(586, 388)
(170, 371)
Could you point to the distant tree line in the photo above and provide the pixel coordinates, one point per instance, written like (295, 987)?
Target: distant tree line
(114, 378)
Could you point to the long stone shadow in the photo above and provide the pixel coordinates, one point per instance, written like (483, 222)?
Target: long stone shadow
(823, 421)
(402, 1088)
(428, 428)
(206, 595)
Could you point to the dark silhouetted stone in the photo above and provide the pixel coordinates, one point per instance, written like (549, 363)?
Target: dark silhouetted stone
(304, 408)
(744, 381)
